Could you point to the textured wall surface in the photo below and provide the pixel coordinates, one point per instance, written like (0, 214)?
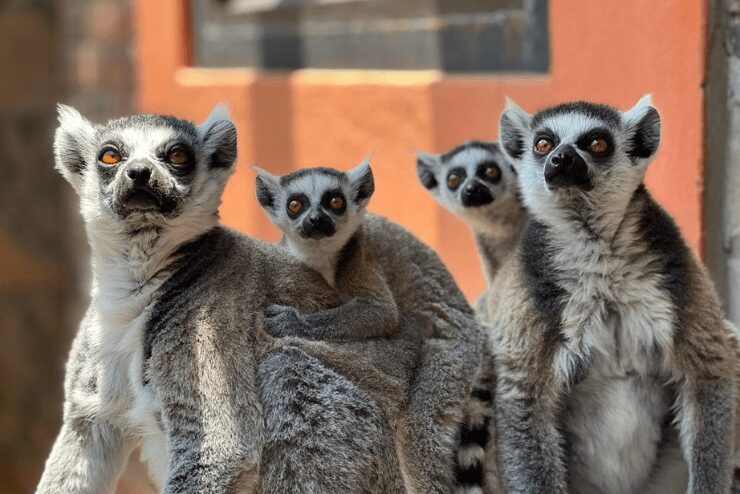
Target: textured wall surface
(610, 51)
(722, 192)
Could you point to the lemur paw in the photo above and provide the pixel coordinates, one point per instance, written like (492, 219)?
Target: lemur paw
(282, 321)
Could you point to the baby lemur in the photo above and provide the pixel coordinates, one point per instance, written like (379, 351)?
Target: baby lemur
(615, 369)
(321, 212)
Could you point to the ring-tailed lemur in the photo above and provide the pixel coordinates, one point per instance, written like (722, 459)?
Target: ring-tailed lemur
(171, 353)
(615, 370)
(321, 212)
(392, 287)
(477, 182)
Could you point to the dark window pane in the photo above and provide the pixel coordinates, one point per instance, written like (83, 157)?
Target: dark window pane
(450, 35)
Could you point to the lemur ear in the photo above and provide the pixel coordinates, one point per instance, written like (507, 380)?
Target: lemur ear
(218, 134)
(267, 187)
(73, 141)
(643, 122)
(513, 127)
(362, 183)
(426, 167)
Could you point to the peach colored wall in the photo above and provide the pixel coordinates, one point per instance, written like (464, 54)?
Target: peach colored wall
(611, 51)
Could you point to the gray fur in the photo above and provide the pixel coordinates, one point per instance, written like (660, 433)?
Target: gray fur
(608, 327)
(497, 227)
(369, 309)
(172, 353)
(390, 292)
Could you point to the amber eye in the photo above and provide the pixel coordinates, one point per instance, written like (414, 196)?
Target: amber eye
(295, 206)
(177, 157)
(336, 203)
(492, 172)
(598, 145)
(543, 145)
(110, 157)
(453, 180)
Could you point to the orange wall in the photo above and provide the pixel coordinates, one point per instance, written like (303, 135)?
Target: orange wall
(611, 51)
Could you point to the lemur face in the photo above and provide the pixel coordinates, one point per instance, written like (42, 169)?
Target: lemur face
(312, 204)
(469, 180)
(145, 167)
(580, 151)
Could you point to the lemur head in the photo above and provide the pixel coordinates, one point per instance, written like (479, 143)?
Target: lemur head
(579, 155)
(473, 180)
(145, 170)
(314, 205)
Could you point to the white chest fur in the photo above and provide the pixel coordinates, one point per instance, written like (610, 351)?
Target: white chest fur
(122, 310)
(620, 321)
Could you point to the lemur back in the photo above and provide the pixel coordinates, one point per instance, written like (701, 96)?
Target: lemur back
(394, 290)
(615, 369)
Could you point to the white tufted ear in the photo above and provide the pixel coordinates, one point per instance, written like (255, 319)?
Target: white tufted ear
(218, 134)
(513, 126)
(266, 188)
(643, 122)
(73, 141)
(362, 183)
(427, 165)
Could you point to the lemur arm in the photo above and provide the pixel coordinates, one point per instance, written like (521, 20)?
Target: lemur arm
(706, 402)
(370, 311)
(210, 409)
(89, 452)
(530, 445)
(88, 457)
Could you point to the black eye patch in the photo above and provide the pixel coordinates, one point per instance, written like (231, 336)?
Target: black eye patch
(489, 171)
(334, 195)
(107, 172)
(455, 178)
(585, 140)
(304, 203)
(181, 170)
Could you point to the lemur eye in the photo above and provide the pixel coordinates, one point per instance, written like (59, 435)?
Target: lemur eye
(543, 145)
(336, 203)
(453, 180)
(295, 206)
(177, 157)
(492, 172)
(598, 145)
(110, 157)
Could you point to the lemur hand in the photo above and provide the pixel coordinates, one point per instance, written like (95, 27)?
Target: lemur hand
(282, 321)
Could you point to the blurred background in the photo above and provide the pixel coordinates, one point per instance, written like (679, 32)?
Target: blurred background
(326, 82)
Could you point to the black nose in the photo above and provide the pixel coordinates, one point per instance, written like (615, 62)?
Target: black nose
(565, 168)
(317, 225)
(475, 194)
(139, 175)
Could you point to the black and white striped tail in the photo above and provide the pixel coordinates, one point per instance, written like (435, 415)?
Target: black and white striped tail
(473, 472)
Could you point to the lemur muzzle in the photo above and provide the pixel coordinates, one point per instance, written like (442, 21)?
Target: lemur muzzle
(565, 168)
